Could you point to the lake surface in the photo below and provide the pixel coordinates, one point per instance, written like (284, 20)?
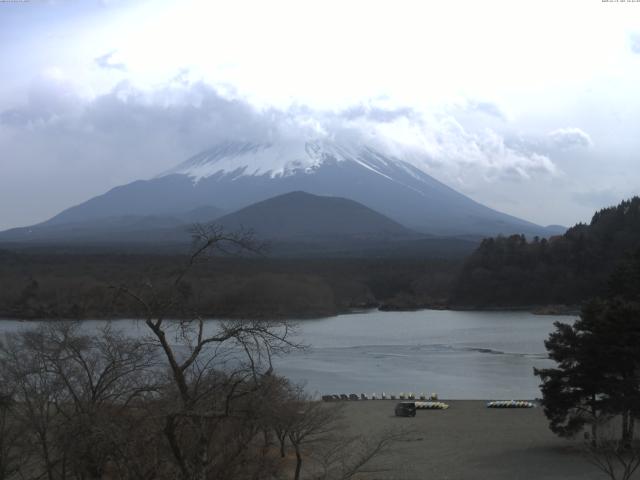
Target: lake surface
(458, 355)
(462, 355)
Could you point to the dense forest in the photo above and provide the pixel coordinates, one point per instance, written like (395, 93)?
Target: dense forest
(563, 270)
(78, 286)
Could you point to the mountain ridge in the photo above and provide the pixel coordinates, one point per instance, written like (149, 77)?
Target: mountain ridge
(292, 225)
(234, 175)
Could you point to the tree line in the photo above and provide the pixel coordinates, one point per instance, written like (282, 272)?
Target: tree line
(76, 286)
(567, 269)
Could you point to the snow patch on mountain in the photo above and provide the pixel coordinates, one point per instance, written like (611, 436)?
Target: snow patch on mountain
(237, 159)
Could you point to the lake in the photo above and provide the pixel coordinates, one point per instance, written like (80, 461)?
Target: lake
(458, 355)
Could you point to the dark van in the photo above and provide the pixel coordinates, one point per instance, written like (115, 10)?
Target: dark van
(406, 409)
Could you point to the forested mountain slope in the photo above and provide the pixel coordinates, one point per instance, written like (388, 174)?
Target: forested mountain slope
(567, 269)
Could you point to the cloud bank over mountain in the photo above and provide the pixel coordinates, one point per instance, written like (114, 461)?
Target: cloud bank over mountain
(184, 118)
(96, 94)
(130, 133)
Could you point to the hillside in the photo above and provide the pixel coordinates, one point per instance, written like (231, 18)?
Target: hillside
(567, 269)
(300, 215)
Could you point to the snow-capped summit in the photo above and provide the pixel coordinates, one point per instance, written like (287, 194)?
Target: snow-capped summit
(233, 175)
(235, 159)
(247, 158)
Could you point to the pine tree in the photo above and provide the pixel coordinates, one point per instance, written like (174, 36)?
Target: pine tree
(598, 357)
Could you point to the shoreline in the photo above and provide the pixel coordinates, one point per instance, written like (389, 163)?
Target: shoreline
(541, 310)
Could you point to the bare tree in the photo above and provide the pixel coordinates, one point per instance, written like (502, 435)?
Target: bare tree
(35, 393)
(11, 454)
(316, 431)
(213, 371)
(309, 422)
(615, 458)
(68, 389)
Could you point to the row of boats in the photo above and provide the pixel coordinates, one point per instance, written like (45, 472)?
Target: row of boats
(510, 404)
(422, 401)
(431, 405)
(375, 396)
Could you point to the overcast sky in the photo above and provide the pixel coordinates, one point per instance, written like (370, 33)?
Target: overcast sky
(530, 107)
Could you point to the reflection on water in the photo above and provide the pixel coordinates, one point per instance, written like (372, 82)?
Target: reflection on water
(481, 355)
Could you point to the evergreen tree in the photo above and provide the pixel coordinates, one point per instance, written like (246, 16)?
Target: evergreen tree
(613, 328)
(573, 393)
(598, 372)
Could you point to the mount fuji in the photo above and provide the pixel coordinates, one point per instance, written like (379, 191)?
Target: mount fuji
(234, 175)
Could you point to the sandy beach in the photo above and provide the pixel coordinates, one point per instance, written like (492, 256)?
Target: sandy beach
(470, 441)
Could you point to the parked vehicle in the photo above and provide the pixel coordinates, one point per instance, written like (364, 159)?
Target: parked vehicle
(405, 409)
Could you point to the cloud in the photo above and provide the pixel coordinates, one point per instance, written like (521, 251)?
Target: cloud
(148, 131)
(566, 138)
(442, 144)
(74, 147)
(187, 116)
(376, 114)
(195, 115)
(107, 61)
(87, 146)
(49, 96)
(485, 153)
